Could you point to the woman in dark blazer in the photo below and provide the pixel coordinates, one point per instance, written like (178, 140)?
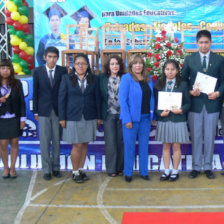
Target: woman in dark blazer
(79, 109)
(137, 106)
(12, 116)
(109, 85)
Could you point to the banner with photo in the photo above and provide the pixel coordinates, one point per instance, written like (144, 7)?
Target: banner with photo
(52, 16)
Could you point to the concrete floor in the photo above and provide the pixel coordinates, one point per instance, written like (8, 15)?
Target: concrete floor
(104, 199)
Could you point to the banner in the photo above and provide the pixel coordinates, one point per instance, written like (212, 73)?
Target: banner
(52, 16)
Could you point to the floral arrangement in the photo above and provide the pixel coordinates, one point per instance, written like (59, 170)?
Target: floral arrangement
(163, 47)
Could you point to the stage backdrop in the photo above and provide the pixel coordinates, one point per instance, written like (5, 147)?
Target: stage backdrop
(127, 12)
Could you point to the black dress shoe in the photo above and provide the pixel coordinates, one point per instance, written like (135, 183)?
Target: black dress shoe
(164, 177)
(209, 174)
(128, 178)
(47, 176)
(146, 177)
(5, 176)
(173, 177)
(222, 174)
(77, 178)
(57, 174)
(83, 176)
(193, 174)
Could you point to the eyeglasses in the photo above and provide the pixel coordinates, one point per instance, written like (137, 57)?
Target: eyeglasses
(81, 64)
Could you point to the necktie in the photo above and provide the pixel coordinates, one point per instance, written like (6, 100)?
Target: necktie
(82, 85)
(51, 77)
(204, 64)
(169, 86)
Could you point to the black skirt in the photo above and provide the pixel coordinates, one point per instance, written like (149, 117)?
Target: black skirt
(10, 128)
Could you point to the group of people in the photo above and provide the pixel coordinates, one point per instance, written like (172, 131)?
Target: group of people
(125, 103)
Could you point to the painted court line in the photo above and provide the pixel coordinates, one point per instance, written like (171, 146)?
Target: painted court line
(129, 206)
(166, 189)
(27, 200)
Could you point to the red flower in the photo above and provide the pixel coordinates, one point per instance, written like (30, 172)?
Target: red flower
(154, 78)
(157, 46)
(176, 40)
(169, 53)
(179, 52)
(163, 33)
(164, 38)
(168, 44)
(157, 57)
(181, 65)
(157, 63)
(180, 46)
(158, 39)
(149, 69)
(149, 54)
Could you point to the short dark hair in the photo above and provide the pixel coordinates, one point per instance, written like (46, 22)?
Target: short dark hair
(204, 33)
(51, 50)
(120, 62)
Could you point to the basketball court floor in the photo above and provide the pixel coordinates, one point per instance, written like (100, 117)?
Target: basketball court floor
(30, 199)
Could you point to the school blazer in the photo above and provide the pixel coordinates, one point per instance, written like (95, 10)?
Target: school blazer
(45, 96)
(186, 104)
(72, 103)
(192, 65)
(15, 103)
(130, 99)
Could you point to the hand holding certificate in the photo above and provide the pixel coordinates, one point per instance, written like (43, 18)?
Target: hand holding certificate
(205, 83)
(169, 100)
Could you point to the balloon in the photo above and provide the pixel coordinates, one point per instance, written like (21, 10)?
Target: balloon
(30, 59)
(31, 66)
(12, 31)
(15, 16)
(12, 7)
(29, 39)
(23, 55)
(27, 71)
(23, 19)
(17, 68)
(16, 58)
(30, 51)
(17, 26)
(23, 10)
(16, 50)
(23, 64)
(25, 28)
(23, 46)
(15, 41)
(18, 2)
(21, 73)
(9, 21)
(26, 4)
(7, 13)
(20, 34)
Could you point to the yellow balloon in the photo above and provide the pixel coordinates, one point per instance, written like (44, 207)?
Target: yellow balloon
(23, 46)
(17, 67)
(15, 40)
(23, 19)
(30, 51)
(21, 73)
(12, 7)
(15, 16)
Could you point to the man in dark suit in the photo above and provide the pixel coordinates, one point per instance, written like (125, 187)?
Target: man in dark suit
(46, 82)
(205, 108)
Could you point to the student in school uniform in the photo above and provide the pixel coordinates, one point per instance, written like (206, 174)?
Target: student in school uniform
(172, 124)
(205, 108)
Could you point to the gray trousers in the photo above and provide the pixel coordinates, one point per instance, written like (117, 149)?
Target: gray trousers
(222, 121)
(203, 128)
(114, 147)
(49, 129)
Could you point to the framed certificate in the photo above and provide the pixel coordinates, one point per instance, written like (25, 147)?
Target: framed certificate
(169, 100)
(205, 83)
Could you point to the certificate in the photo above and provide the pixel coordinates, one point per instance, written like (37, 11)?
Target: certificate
(169, 100)
(205, 83)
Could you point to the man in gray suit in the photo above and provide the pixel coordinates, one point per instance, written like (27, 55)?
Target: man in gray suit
(46, 82)
(205, 108)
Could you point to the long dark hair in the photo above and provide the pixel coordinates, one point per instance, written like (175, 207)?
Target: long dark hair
(162, 82)
(73, 76)
(135, 59)
(12, 81)
(120, 62)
